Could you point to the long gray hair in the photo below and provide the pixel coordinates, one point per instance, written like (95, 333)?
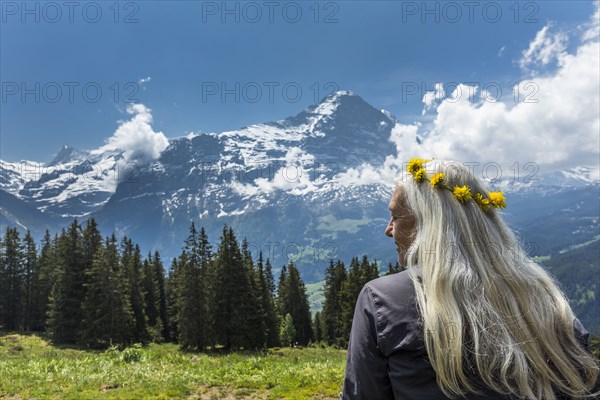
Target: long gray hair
(488, 309)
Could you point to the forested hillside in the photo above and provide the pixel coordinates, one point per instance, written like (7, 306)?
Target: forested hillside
(81, 288)
(85, 289)
(578, 272)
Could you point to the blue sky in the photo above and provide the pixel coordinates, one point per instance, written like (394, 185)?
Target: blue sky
(376, 49)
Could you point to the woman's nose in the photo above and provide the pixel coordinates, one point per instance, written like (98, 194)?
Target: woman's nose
(389, 230)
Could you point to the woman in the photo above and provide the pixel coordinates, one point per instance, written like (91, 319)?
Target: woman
(472, 317)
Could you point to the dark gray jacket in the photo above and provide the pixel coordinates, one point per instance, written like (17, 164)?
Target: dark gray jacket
(386, 354)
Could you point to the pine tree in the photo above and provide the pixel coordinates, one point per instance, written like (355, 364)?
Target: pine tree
(171, 294)
(91, 242)
(150, 288)
(359, 274)
(159, 276)
(206, 259)
(131, 261)
(294, 301)
(68, 292)
(43, 281)
(11, 281)
(30, 272)
(394, 269)
(155, 306)
(267, 296)
(231, 298)
(348, 295)
(107, 316)
(317, 326)
(335, 275)
(282, 292)
(192, 295)
(287, 331)
(269, 277)
(368, 271)
(254, 332)
(184, 288)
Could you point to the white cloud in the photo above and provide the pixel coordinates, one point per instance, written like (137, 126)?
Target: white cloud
(556, 125)
(591, 29)
(544, 48)
(365, 174)
(501, 51)
(292, 177)
(143, 81)
(136, 138)
(405, 138)
(430, 99)
(553, 121)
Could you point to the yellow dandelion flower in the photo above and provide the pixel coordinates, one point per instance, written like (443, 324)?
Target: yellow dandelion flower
(482, 201)
(437, 181)
(497, 199)
(415, 164)
(419, 175)
(463, 193)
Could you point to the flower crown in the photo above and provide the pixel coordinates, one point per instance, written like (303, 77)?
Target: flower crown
(462, 193)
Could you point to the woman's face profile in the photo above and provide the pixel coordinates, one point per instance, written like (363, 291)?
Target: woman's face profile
(401, 225)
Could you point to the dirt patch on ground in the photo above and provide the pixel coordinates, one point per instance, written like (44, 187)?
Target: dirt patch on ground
(228, 393)
(106, 388)
(11, 338)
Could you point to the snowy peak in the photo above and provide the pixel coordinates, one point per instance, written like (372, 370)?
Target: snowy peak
(66, 154)
(587, 174)
(577, 176)
(73, 184)
(342, 128)
(341, 104)
(345, 129)
(14, 175)
(342, 107)
(331, 102)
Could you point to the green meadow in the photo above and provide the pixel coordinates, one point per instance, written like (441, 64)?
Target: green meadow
(31, 368)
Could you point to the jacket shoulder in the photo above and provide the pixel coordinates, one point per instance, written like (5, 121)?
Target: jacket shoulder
(391, 282)
(398, 324)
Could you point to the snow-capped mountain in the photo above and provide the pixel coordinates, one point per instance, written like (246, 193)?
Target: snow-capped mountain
(283, 184)
(14, 175)
(74, 184)
(273, 182)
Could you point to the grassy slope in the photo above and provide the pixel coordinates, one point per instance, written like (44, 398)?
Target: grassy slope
(32, 368)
